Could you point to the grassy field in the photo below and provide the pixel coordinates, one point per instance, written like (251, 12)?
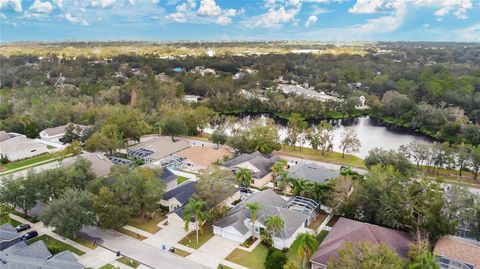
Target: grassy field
(131, 234)
(30, 161)
(108, 266)
(82, 241)
(182, 253)
(147, 224)
(190, 240)
(253, 260)
(129, 262)
(11, 221)
(330, 157)
(180, 180)
(54, 245)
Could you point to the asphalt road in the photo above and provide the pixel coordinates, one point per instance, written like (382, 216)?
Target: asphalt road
(139, 251)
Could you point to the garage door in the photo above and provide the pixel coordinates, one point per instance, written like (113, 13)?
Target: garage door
(233, 236)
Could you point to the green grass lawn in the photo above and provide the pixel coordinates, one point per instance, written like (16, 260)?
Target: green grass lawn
(318, 221)
(182, 253)
(190, 240)
(221, 266)
(129, 262)
(180, 180)
(253, 260)
(55, 246)
(321, 236)
(27, 217)
(331, 157)
(33, 160)
(131, 234)
(147, 224)
(108, 266)
(11, 221)
(82, 241)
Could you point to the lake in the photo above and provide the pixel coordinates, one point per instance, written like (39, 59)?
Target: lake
(371, 133)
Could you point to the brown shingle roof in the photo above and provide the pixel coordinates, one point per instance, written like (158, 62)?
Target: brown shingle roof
(204, 156)
(347, 230)
(458, 248)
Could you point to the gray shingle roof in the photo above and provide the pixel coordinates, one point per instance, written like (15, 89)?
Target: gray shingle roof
(36, 256)
(168, 176)
(182, 192)
(270, 204)
(7, 232)
(312, 172)
(261, 162)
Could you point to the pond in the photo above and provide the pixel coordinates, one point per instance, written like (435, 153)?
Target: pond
(371, 133)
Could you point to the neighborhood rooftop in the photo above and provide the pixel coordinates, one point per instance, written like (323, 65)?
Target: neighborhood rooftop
(156, 148)
(312, 172)
(182, 193)
(454, 252)
(260, 163)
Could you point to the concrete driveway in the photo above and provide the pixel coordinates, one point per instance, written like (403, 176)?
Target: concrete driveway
(97, 257)
(138, 250)
(169, 235)
(213, 251)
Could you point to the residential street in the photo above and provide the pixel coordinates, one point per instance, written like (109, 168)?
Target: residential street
(140, 251)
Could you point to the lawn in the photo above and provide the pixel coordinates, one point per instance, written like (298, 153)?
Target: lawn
(147, 224)
(12, 221)
(190, 240)
(331, 157)
(33, 160)
(253, 260)
(82, 241)
(129, 262)
(180, 180)
(321, 236)
(27, 217)
(131, 234)
(108, 266)
(182, 253)
(55, 246)
(318, 221)
(221, 266)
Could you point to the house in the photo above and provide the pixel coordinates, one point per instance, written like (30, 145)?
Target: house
(20, 147)
(454, 252)
(347, 230)
(259, 165)
(100, 164)
(156, 149)
(192, 98)
(8, 236)
(169, 178)
(312, 172)
(36, 255)
(297, 213)
(56, 133)
(178, 197)
(201, 157)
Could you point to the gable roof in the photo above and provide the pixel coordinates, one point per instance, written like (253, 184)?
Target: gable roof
(204, 156)
(256, 159)
(162, 146)
(168, 176)
(347, 230)
(270, 204)
(312, 172)
(182, 192)
(61, 129)
(7, 232)
(460, 249)
(100, 164)
(4, 136)
(20, 143)
(36, 256)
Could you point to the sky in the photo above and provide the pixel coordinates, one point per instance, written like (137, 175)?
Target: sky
(240, 20)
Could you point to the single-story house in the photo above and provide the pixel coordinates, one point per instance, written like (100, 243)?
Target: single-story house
(201, 157)
(156, 148)
(347, 230)
(8, 236)
(178, 196)
(36, 255)
(100, 163)
(455, 252)
(297, 213)
(56, 133)
(20, 147)
(260, 166)
(312, 172)
(169, 178)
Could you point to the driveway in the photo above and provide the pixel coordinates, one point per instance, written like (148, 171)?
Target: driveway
(213, 251)
(97, 257)
(138, 250)
(169, 235)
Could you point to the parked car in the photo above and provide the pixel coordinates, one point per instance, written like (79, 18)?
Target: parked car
(29, 235)
(22, 227)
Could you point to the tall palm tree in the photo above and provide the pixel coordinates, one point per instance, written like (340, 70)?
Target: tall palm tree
(194, 209)
(278, 168)
(274, 224)
(306, 246)
(299, 185)
(426, 261)
(284, 182)
(244, 177)
(253, 207)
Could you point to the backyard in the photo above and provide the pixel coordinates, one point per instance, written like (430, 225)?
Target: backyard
(190, 240)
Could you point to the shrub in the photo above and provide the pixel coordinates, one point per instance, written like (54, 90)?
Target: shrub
(275, 259)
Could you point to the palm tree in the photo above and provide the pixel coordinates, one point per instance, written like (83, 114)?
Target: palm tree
(194, 209)
(278, 168)
(274, 224)
(253, 207)
(426, 261)
(299, 185)
(306, 246)
(284, 182)
(244, 177)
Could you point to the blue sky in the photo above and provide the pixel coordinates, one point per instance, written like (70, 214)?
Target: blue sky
(168, 20)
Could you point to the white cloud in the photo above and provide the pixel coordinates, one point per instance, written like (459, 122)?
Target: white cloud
(177, 16)
(3, 17)
(311, 20)
(374, 6)
(458, 8)
(154, 1)
(469, 34)
(224, 20)
(69, 17)
(15, 5)
(320, 10)
(276, 17)
(209, 8)
(102, 3)
(40, 7)
(59, 3)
